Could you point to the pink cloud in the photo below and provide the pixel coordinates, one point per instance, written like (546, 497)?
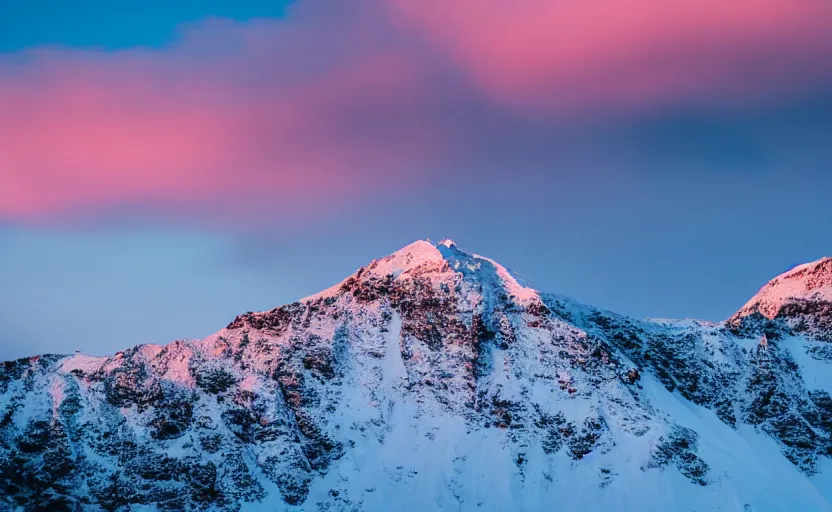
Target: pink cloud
(233, 112)
(625, 52)
(348, 99)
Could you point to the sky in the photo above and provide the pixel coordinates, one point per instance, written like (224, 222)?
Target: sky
(165, 166)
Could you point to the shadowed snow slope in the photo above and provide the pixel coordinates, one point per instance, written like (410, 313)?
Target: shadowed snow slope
(434, 379)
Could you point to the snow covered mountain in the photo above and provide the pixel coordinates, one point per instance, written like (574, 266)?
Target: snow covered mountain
(802, 298)
(432, 379)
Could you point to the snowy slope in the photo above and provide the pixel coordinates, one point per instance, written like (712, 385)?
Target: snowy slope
(434, 379)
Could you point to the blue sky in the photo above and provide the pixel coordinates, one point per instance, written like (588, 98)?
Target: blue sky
(163, 169)
(114, 25)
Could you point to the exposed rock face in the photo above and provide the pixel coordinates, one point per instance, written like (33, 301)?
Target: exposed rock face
(431, 380)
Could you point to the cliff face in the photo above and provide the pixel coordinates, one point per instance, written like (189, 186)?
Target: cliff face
(431, 380)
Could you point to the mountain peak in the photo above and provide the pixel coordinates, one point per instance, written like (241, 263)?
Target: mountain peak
(413, 255)
(422, 258)
(433, 376)
(808, 282)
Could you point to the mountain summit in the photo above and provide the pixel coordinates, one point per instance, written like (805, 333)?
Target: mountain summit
(435, 379)
(802, 297)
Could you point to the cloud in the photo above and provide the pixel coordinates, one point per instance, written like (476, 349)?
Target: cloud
(618, 53)
(343, 100)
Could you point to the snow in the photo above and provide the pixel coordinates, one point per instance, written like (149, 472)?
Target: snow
(749, 465)
(84, 363)
(56, 391)
(817, 374)
(329, 292)
(394, 368)
(421, 256)
(177, 364)
(810, 281)
(682, 323)
(418, 254)
(250, 383)
(523, 294)
(439, 462)
(488, 272)
(415, 255)
(149, 350)
(413, 446)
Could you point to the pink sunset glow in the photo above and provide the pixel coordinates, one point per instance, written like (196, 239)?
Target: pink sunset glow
(625, 53)
(332, 107)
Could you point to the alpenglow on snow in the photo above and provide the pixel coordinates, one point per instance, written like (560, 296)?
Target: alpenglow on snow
(433, 379)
